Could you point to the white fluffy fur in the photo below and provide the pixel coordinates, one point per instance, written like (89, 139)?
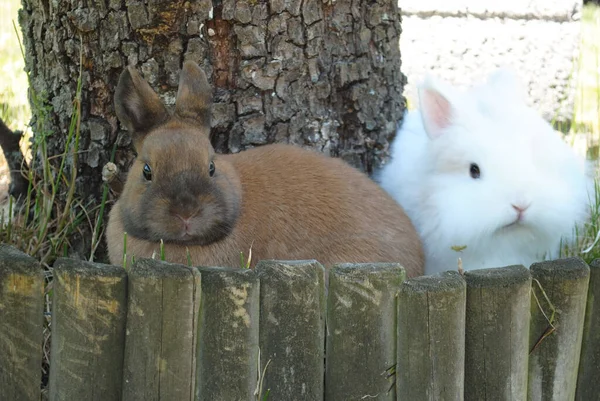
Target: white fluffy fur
(522, 160)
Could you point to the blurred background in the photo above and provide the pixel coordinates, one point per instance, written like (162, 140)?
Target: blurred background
(14, 107)
(553, 46)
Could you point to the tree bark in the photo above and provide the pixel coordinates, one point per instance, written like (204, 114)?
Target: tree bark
(316, 73)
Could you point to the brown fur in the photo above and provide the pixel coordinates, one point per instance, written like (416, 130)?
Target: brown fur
(281, 201)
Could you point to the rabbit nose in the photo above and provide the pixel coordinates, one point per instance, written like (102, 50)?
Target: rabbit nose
(184, 220)
(520, 209)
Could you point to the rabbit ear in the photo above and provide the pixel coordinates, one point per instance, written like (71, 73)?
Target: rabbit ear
(194, 96)
(137, 106)
(436, 106)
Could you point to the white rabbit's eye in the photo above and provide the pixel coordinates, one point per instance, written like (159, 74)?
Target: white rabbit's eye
(474, 171)
(147, 172)
(211, 169)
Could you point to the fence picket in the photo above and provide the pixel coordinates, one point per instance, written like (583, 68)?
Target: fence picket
(162, 309)
(292, 328)
(228, 343)
(431, 338)
(361, 331)
(497, 333)
(21, 325)
(88, 331)
(588, 385)
(554, 359)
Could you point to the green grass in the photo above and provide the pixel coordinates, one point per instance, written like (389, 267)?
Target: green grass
(585, 129)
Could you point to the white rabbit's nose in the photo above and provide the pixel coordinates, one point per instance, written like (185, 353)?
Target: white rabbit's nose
(520, 208)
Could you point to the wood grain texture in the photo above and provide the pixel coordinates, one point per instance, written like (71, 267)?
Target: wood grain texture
(361, 331)
(497, 333)
(88, 331)
(228, 343)
(162, 331)
(292, 328)
(431, 338)
(21, 325)
(554, 362)
(588, 385)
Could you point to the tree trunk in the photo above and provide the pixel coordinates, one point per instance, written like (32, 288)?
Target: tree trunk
(322, 74)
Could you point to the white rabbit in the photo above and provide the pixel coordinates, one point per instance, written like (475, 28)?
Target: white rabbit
(483, 177)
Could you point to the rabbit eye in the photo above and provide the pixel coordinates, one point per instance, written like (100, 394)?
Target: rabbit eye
(474, 171)
(147, 172)
(211, 169)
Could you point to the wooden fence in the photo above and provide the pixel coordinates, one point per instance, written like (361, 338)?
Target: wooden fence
(160, 331)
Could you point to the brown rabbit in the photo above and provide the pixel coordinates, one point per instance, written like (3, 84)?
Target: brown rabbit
(282, 201)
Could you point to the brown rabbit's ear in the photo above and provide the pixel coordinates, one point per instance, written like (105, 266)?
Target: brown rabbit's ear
(137, 106)
(194, 96)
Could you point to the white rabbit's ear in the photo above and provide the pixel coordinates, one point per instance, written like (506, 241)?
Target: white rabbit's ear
(435, 102)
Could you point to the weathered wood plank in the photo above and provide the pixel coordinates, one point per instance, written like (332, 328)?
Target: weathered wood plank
(431, 338)
(588, 381)
(228, 340)
(497, 333)
(162, 325)
(21, 325)
(361, 331)
(88, 331)
(292, 328)
(554, 360)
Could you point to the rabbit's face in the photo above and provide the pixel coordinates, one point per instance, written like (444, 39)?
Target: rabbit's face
(500, 171)
(178, 191)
